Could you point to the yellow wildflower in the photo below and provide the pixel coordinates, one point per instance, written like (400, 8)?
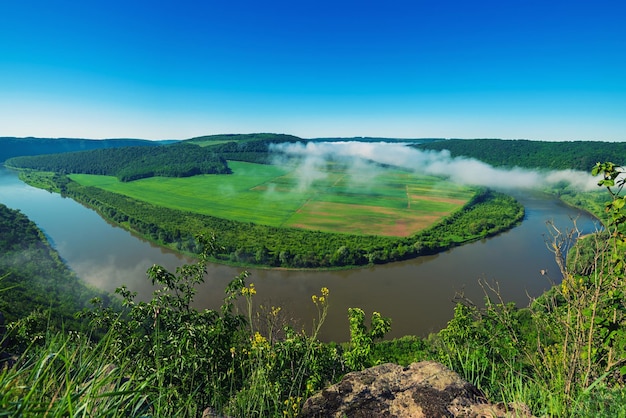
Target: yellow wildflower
(249, 291)
(259, 341)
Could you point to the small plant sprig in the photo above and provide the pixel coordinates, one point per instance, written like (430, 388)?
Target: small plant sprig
(321, 303)
(248, 293)
(358, 356)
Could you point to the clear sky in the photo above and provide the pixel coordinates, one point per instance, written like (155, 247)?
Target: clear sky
(545, 70)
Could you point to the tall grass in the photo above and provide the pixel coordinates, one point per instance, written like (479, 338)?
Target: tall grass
(69, 376)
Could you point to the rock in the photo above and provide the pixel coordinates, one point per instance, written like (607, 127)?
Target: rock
(210, 413)
(425, 389)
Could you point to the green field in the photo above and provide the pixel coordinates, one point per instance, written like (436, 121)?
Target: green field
(391, 202)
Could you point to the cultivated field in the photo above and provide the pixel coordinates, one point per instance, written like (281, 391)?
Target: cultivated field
(378, 202)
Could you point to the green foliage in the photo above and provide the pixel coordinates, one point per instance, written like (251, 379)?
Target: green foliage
(578, 155)
(613, 180)
(130, 163)
(562, 356)
(482, 343)
(174, 345)
(161, 357)
(403, 351)
(267, 231)
(252, 148)
(192, 359)
(358, 356)
(248, 244)
(70, 376)
(566, 354)
(15, 147)
(41, 293)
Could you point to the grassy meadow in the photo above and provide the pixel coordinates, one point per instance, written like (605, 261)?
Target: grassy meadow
(380, 202)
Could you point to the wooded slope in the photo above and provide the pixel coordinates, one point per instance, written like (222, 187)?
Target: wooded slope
(577, 155)
(15, 147)
(130, 163)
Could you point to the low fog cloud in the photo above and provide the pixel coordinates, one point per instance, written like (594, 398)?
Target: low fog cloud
(361, 156)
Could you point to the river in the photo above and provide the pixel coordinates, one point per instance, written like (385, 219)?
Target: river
(416, 294)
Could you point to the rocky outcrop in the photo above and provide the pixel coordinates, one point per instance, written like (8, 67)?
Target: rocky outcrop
(426, 389)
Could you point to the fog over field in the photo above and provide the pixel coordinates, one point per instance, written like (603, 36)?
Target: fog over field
(362, 158)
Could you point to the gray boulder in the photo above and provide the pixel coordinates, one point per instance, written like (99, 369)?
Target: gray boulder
(425, 389)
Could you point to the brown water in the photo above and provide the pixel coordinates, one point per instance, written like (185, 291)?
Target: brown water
(416, 294)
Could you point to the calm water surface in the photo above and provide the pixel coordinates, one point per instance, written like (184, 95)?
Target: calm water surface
(416, 294)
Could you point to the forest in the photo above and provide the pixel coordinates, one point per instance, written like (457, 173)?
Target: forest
(253, 148)
(130, 163)
(15, 147)
(576, 155)
(36, 278)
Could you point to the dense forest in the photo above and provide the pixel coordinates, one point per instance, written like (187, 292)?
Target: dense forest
(241, 138)
(252, 148)
(130, 163)
(578, 155)
(15, 147)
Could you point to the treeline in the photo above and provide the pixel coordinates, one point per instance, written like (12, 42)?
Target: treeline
(577, 155)
(35, 279)
(376, 139)
(240, 138)
(130, 163)
(245, 243)
(253, 148)
(15, 147)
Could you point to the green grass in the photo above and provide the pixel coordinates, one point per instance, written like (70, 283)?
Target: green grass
(392, 203)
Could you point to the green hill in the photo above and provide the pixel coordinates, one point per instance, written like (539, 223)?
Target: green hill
(578, 155)
(15, 147)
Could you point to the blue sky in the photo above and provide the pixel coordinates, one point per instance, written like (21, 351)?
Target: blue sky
(545, 70)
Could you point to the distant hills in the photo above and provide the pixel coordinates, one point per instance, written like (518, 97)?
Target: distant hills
(581, 155)
(577, 155)
(14, 147)
(30, 146)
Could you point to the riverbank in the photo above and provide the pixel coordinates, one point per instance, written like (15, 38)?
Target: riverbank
(253, 245)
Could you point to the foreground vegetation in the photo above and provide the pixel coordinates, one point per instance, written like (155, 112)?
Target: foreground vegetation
(36, 281)
(564, 355)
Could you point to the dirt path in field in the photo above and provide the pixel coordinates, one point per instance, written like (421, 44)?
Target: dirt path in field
(408, 197)
(452, 200)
